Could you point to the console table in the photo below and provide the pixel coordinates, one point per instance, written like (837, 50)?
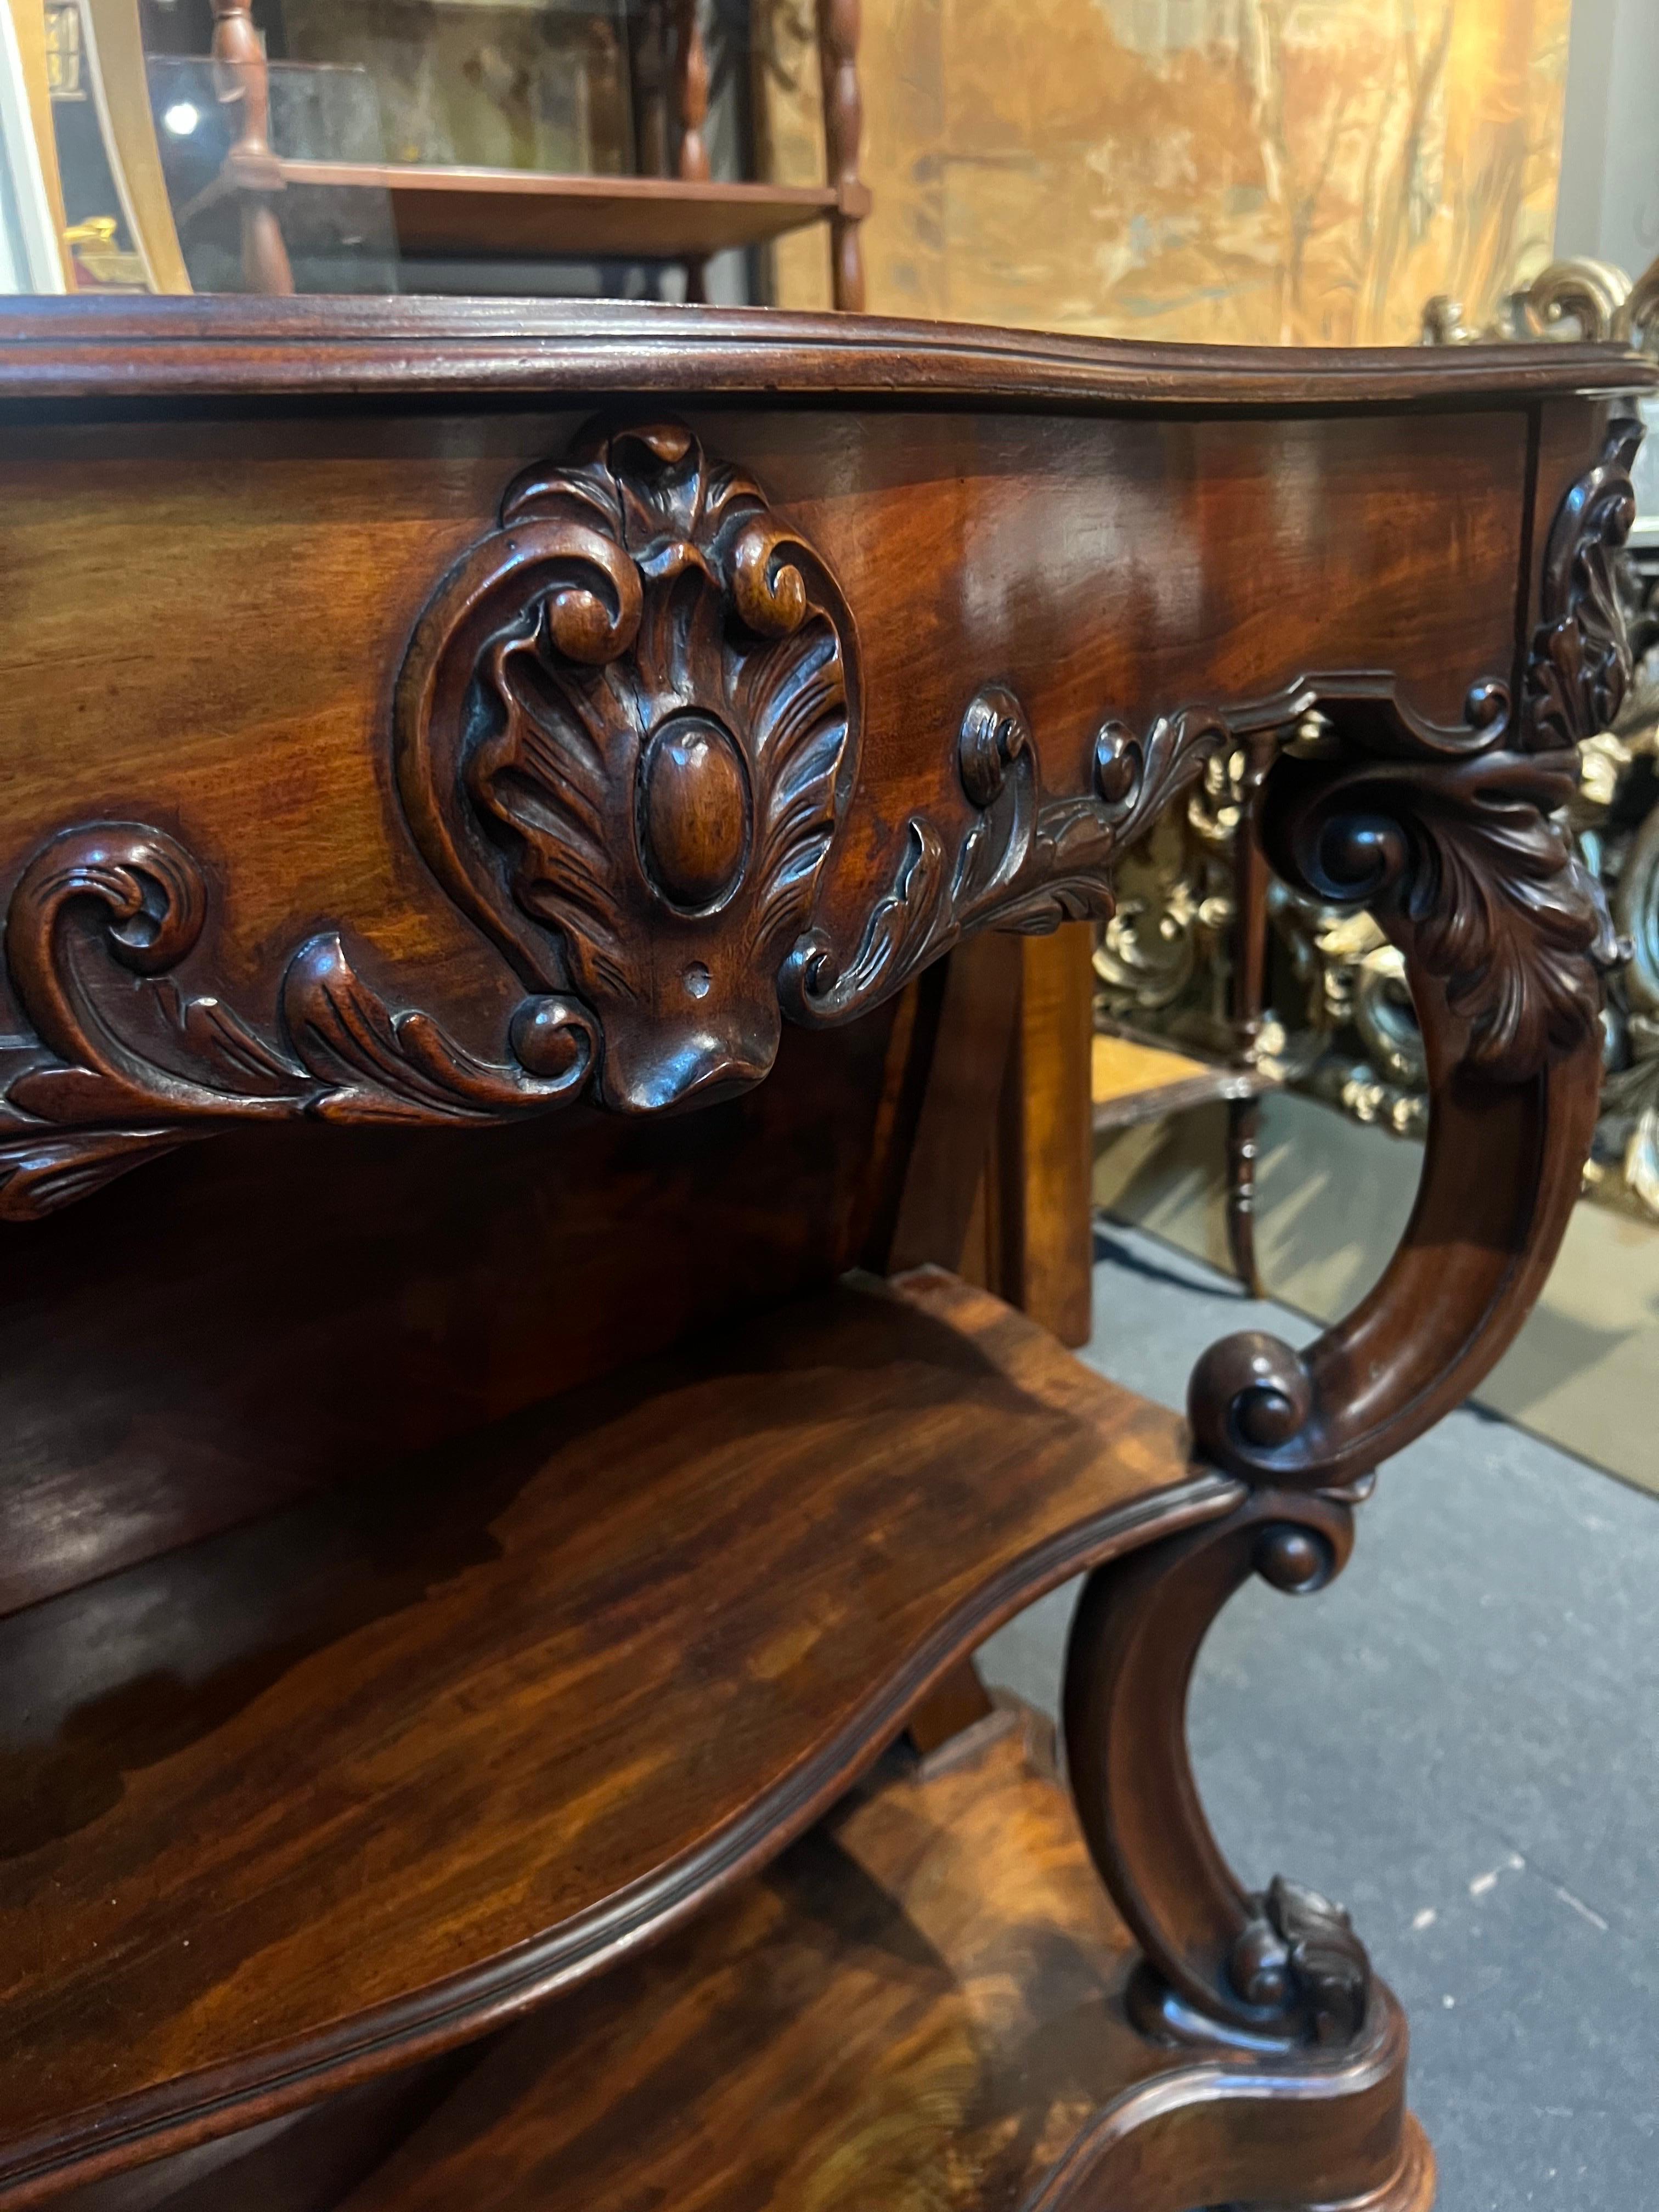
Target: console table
(491, 1455)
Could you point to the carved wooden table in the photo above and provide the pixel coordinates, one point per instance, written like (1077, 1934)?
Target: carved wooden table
(507, 777)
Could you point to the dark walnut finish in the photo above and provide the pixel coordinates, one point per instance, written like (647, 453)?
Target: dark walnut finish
(355, 1680)
(464, 1517)
(934, 1988)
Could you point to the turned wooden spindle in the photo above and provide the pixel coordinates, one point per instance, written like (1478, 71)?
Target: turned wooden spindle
(844, 125)
(250, 168)
(649, 42)
(1250, 962)
(691, 101)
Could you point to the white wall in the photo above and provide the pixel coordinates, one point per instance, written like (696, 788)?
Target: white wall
(1608, 206)
(28, 241)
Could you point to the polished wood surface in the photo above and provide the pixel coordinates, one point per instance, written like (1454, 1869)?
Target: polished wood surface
(1133, 1080)
(921, 2006)
(512, 211)
(1043, 1231)
(56, 349)
(159, 1388)
(518, 899)
(441, 1744)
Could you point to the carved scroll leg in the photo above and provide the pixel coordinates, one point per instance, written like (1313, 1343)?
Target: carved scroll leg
(1295, 2095)
(1281, 1967)
(1452, 839)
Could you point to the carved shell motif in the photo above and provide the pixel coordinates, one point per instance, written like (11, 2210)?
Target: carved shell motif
(624, 738)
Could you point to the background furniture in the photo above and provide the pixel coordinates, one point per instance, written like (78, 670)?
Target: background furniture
(682, 213)
(492, 1452)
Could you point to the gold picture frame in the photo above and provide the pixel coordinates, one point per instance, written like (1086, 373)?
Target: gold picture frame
(98, 48)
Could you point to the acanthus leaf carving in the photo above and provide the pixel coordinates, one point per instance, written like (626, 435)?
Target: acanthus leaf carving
(1459, 847)
(1300, 1951)
(1023, 862)
(1580, 665)
(111, 1080)
(626, 733)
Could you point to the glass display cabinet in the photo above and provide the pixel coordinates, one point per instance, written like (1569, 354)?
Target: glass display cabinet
(217, 146)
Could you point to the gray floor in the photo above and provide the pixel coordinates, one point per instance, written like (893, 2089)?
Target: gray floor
(1460, 1740)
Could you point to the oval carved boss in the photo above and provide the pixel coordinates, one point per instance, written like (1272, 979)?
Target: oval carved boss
(625, 730)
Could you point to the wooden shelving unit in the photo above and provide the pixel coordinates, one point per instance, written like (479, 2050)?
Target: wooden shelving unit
(439, 1744)
(685, 217)
(506, 211)
(927, 2002)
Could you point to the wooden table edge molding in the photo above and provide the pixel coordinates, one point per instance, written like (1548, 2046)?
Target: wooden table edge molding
(79, 347)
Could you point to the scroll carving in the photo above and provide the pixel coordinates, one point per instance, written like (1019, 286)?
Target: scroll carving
(1279, 1966)
(1453, 840)
(624, 733)
(625, 736)
(1025, 861)
(113, 1079)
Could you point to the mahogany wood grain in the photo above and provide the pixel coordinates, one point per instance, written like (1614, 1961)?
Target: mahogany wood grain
(390, 748)
(439, 1744)
(976, 1010)
(409, 1288)
(921, 2007)
(989, 527)
(1046, 1238)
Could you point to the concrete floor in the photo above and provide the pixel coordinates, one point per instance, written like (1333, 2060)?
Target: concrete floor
(1332, 1198)
(1460, 1741)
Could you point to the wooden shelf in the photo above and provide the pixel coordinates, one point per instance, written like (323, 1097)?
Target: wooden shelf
(519, 212)
(921, 2005)
(309, 1799)
(1133, 1081)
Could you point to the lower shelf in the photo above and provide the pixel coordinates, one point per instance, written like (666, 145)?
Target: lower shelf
(919, 2008)
(306, 1803)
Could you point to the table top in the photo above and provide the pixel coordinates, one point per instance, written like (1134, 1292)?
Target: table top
(142, 348)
